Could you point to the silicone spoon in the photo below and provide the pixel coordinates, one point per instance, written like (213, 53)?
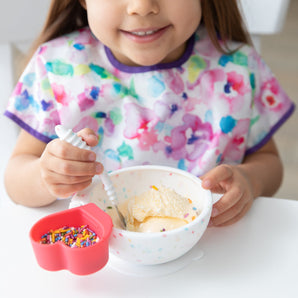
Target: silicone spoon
(69, 136)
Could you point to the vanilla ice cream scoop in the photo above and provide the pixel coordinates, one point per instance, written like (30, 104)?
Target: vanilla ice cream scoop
(157, 210)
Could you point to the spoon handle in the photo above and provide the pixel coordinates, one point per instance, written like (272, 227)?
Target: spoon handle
(69, 136)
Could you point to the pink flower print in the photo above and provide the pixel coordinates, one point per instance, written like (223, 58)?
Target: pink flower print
(109, 126)
(166, 109)
(51, 122)
(87, 121)
(207, 49)
(85, 103)
(87, 98)
(234, 92)
(147, 139)
(42, 70)
(236, 142)
(270, 100)
(189, 140)
(268, 96)
(190, 103)
(140, 124)
(84, 37)
(208, 81)
(42, 50)
(234, 103)
(18, 89)
(175, 82)
(60, 94)
(235, 82)
(270, 90)
(58, 42)
(55, 117)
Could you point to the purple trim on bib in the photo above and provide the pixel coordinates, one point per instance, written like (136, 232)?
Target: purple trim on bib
(28, 128)
(272, 131)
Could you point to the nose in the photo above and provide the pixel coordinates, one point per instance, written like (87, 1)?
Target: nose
(142, 7)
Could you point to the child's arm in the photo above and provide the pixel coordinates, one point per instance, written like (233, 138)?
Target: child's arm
(260, 174)
(38, 173)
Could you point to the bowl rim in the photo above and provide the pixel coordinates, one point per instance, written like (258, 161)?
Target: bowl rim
(186, 227)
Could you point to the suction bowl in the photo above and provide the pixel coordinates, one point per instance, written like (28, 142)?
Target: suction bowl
(160, 247)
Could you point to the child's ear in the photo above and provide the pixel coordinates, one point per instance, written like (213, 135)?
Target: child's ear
(83, 3)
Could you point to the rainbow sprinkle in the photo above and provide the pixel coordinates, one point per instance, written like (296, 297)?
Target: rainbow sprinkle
(154, 187)
(73, 237)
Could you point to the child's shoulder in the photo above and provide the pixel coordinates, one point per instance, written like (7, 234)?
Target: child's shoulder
(205, 48)
(72, 46)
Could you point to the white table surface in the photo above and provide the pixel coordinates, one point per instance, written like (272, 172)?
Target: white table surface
(256, 257)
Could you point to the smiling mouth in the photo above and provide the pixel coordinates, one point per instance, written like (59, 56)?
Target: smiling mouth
(143, 33)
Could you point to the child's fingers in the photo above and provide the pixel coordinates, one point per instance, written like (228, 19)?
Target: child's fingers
(66, 151)
(66, 190)
(54, 178)
(216, 175)
(63, 186)
(66, 169)
(231, 200)
(76, 168)
(52, 163)
(231, 216)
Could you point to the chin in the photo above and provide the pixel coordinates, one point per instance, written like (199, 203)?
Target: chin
(144, 61)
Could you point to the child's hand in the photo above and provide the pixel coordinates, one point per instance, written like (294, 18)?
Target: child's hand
(66, 169)
(237, 190)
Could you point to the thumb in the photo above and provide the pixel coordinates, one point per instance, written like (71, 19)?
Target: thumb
(89, 136)
(214, 177)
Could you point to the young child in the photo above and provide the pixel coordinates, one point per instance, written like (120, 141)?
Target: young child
(174, 83)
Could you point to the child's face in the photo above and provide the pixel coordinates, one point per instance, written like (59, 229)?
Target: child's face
(144, 32)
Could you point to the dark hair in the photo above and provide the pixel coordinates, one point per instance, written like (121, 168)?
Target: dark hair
(221, 18)
(224, 22)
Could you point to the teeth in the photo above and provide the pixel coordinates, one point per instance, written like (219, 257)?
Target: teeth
(143, 33)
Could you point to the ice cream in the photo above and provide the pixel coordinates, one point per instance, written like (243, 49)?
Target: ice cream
(157, 210)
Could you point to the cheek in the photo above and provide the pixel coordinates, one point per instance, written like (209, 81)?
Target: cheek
(188, 26)
(100, 29)
(102, 19)
(192, 15)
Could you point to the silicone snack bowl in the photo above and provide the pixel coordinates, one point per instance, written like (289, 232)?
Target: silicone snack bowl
(58, 256)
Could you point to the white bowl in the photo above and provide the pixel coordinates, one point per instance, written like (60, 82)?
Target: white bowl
(160, 247)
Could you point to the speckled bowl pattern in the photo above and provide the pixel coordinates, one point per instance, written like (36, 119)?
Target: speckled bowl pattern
(153, 248)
